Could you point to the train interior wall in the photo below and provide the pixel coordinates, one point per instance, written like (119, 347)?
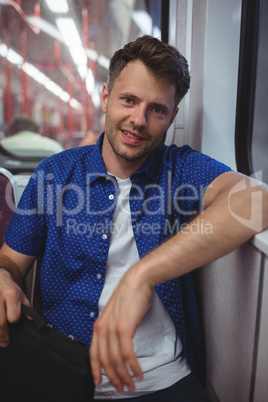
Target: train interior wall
(233, 290)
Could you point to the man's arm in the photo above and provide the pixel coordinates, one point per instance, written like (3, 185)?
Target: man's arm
(233, 204)
(14, 267)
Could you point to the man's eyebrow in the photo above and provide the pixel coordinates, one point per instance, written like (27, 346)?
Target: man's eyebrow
(128, 95)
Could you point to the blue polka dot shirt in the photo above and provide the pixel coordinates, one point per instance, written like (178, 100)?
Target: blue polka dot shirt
(65, 215)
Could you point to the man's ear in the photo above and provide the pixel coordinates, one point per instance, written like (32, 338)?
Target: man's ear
(104, 97)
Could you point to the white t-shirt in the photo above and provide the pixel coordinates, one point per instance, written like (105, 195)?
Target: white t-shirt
(156, 342)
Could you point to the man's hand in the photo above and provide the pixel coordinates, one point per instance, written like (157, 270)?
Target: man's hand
(112, 346)
(11, 297)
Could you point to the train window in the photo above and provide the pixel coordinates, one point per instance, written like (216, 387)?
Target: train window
(54, 57)
(251, 138)
(260, 121)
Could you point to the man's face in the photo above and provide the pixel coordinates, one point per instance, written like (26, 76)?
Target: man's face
(139, 111)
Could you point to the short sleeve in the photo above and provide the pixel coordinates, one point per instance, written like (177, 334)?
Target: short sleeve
(26, 232)
(197, 173)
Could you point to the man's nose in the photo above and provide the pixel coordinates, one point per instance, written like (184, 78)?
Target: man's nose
(139, 116)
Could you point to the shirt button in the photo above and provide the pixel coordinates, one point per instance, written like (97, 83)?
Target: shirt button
(111, 197)
(104, 236)
(92, 314)
(99, 276)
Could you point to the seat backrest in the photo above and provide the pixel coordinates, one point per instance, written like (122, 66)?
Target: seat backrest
(11, 188)
(8, 198)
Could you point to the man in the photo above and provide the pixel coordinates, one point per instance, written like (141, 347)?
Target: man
(104, 218)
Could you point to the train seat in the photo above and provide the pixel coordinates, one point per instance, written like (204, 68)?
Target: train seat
(11, 188)
(8, 198)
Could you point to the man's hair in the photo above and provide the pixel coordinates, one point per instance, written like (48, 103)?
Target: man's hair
(164, 61)
(23, 123)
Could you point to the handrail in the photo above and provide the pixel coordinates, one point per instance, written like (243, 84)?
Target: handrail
(260, 241)
(21, 13)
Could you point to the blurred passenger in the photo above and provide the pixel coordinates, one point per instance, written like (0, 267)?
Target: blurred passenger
(4, 127)
(89, 139)
(92, 138)
(24, 139)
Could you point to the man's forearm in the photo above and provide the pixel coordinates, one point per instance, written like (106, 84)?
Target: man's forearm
(212, 234)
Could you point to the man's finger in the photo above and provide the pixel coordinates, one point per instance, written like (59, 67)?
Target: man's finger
(99, 358)
(10, 311)
(13, 305)
(4, 335)
(118, 362)
(94, 360)
(126, 346)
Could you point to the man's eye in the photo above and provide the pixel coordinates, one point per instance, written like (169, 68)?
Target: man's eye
(128, 100)
(157, 110)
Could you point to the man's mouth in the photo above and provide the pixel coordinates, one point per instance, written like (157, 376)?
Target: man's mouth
(132, 137)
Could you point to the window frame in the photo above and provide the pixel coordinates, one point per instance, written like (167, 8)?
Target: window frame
(165, 21)
(249, 38)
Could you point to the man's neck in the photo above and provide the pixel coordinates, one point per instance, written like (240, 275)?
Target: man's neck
(118, 166)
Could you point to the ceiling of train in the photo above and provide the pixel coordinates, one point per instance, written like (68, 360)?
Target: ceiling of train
(34, 31)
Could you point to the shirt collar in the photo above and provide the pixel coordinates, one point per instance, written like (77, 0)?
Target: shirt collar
(149, 168)
(98, 169)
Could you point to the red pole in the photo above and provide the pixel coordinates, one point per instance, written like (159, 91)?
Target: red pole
(92, 65)
(61, 126)
(24, 80)
(57, 57)
(8, 94)
(37, 9)
(85, 44)
(69, 109)
(45, 114)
